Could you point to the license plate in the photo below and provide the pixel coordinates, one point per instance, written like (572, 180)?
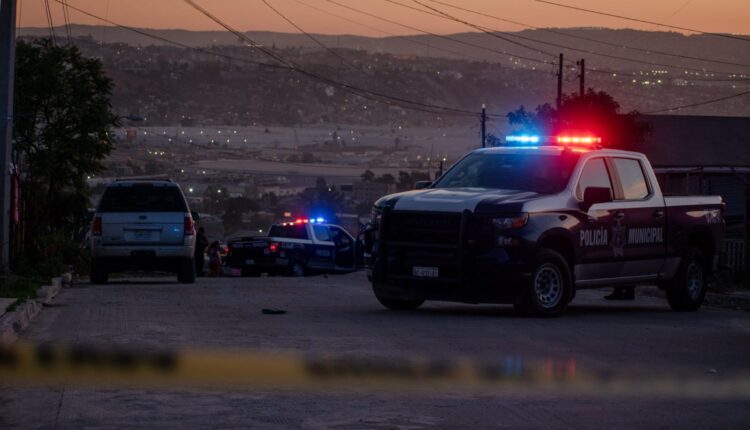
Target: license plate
(425, 272)
(249, 262)
(144, 235)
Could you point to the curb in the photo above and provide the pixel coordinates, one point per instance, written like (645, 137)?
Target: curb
(12, 324)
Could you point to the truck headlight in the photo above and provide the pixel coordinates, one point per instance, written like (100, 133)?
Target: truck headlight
(505, 223)
(375, 214)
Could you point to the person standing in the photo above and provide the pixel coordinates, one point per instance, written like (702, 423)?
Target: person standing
(214, 259)
(201, 243)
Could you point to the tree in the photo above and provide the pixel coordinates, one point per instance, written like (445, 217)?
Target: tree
(62, 133)
(368, 176)
(595, 113)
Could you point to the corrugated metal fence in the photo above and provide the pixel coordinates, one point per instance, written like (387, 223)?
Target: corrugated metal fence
(734, 254)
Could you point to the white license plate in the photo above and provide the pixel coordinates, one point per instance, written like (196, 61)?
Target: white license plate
(425, 272)
(144, 235)
(249, 262)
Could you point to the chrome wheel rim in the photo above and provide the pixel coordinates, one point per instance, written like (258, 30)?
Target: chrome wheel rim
(548, 285)
(297, 270)
(694, 280)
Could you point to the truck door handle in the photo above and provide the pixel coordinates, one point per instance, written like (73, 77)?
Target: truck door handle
(619, 215)
(658, 213)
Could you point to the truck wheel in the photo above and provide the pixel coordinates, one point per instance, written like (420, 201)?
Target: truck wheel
(688, 288)
(550, 287)
(186, 271)
(399, 304)
(296, 269)
(99, 274)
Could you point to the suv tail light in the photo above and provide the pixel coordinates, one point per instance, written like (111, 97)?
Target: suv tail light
(273, 247)
(96, 226)
(189, 227)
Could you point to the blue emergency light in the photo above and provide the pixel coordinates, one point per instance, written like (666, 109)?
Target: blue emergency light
(522, 139)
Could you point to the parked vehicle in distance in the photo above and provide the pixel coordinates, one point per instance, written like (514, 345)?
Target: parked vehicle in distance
(143, 225)
(295, 248)
(532, 222)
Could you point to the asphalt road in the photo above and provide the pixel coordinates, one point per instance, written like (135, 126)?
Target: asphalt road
(338, 314)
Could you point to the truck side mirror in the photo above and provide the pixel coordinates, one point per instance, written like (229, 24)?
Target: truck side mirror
(195, 216)
(594, 195)
(420, 185)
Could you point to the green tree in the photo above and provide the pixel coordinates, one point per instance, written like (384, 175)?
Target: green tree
(368, 176)
(62, 133)
(595, 113)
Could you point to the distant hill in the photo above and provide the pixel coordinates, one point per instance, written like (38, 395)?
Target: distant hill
(700, 46)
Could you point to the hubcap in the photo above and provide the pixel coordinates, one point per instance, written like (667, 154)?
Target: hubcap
(548, 285)
(297, 269)
(694, 280)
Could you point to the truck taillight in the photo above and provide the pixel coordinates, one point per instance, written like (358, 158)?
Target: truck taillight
(273, 247)
(189, 227)
(96, 227)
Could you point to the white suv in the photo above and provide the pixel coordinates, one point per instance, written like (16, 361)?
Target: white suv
(143, 225)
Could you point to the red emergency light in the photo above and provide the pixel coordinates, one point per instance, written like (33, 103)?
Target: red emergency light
(578, 140)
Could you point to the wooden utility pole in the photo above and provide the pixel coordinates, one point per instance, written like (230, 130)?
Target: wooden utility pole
(559, 82)
(582, 75)
(484, 126)
(7, 68)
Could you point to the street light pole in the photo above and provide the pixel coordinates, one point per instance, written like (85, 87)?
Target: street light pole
(484, 126)
(7, 69)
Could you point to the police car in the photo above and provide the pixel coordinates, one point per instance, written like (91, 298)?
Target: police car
(532, 222)
(295, 248)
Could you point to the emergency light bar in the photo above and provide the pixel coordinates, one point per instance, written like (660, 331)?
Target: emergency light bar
(299, 221)
(558, 140)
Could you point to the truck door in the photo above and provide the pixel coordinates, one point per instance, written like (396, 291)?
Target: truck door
(344, 247)
(596, 245)
(642, 218)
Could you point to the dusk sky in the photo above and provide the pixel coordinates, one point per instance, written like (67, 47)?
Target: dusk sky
(730, 16)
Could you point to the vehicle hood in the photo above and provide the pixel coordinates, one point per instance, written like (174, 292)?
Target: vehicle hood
(477, 200)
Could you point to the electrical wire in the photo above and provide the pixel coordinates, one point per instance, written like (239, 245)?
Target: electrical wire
(558, 45)
(379, 30)
(707, 102)
(66, 20)
(592, 40)
(311, 37)
(452, 39)
(643, 21)
(50, 23)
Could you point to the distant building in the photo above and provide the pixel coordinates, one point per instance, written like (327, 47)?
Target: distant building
(706, 155)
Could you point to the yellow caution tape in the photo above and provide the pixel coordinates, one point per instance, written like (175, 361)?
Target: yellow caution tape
(108, 367)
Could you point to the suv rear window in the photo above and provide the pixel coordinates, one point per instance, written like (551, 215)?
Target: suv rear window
(142, 198)
(295, 231)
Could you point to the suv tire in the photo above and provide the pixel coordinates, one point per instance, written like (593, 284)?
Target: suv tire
(549, 289)
(186, 271)
(687, 290)
(399, 304)
(297, 269)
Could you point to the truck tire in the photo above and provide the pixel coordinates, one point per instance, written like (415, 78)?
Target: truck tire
(688, 288)
(549, 289)
(399, 304)
(186, 271)
(247, 272)
(99, 274)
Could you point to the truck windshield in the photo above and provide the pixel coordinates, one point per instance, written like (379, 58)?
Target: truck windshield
(540, 173)
(291, 231)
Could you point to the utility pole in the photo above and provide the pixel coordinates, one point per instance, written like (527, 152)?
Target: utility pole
(7, 69)
(559, 82)
(582, 75)
(484, 126)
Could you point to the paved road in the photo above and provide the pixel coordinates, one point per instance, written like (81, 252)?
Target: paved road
(338, 314)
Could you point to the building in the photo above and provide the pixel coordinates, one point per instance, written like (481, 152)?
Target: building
(369, 192)
(706, 155)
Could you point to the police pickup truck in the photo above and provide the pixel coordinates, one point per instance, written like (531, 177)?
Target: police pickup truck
(295, 248)
(532, 222)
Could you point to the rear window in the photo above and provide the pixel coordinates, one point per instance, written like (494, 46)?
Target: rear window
(142, 198)
(294, 231)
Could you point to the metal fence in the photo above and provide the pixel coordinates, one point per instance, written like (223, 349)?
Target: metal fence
(734, 254)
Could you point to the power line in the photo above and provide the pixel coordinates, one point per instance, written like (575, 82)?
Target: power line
(490, 33)
(452, 39)
(66, 20)
(720, 99)
(643, 21)
(50, 23)
(557, 45)
(310, 36)
(379, 30)
(588, 39)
